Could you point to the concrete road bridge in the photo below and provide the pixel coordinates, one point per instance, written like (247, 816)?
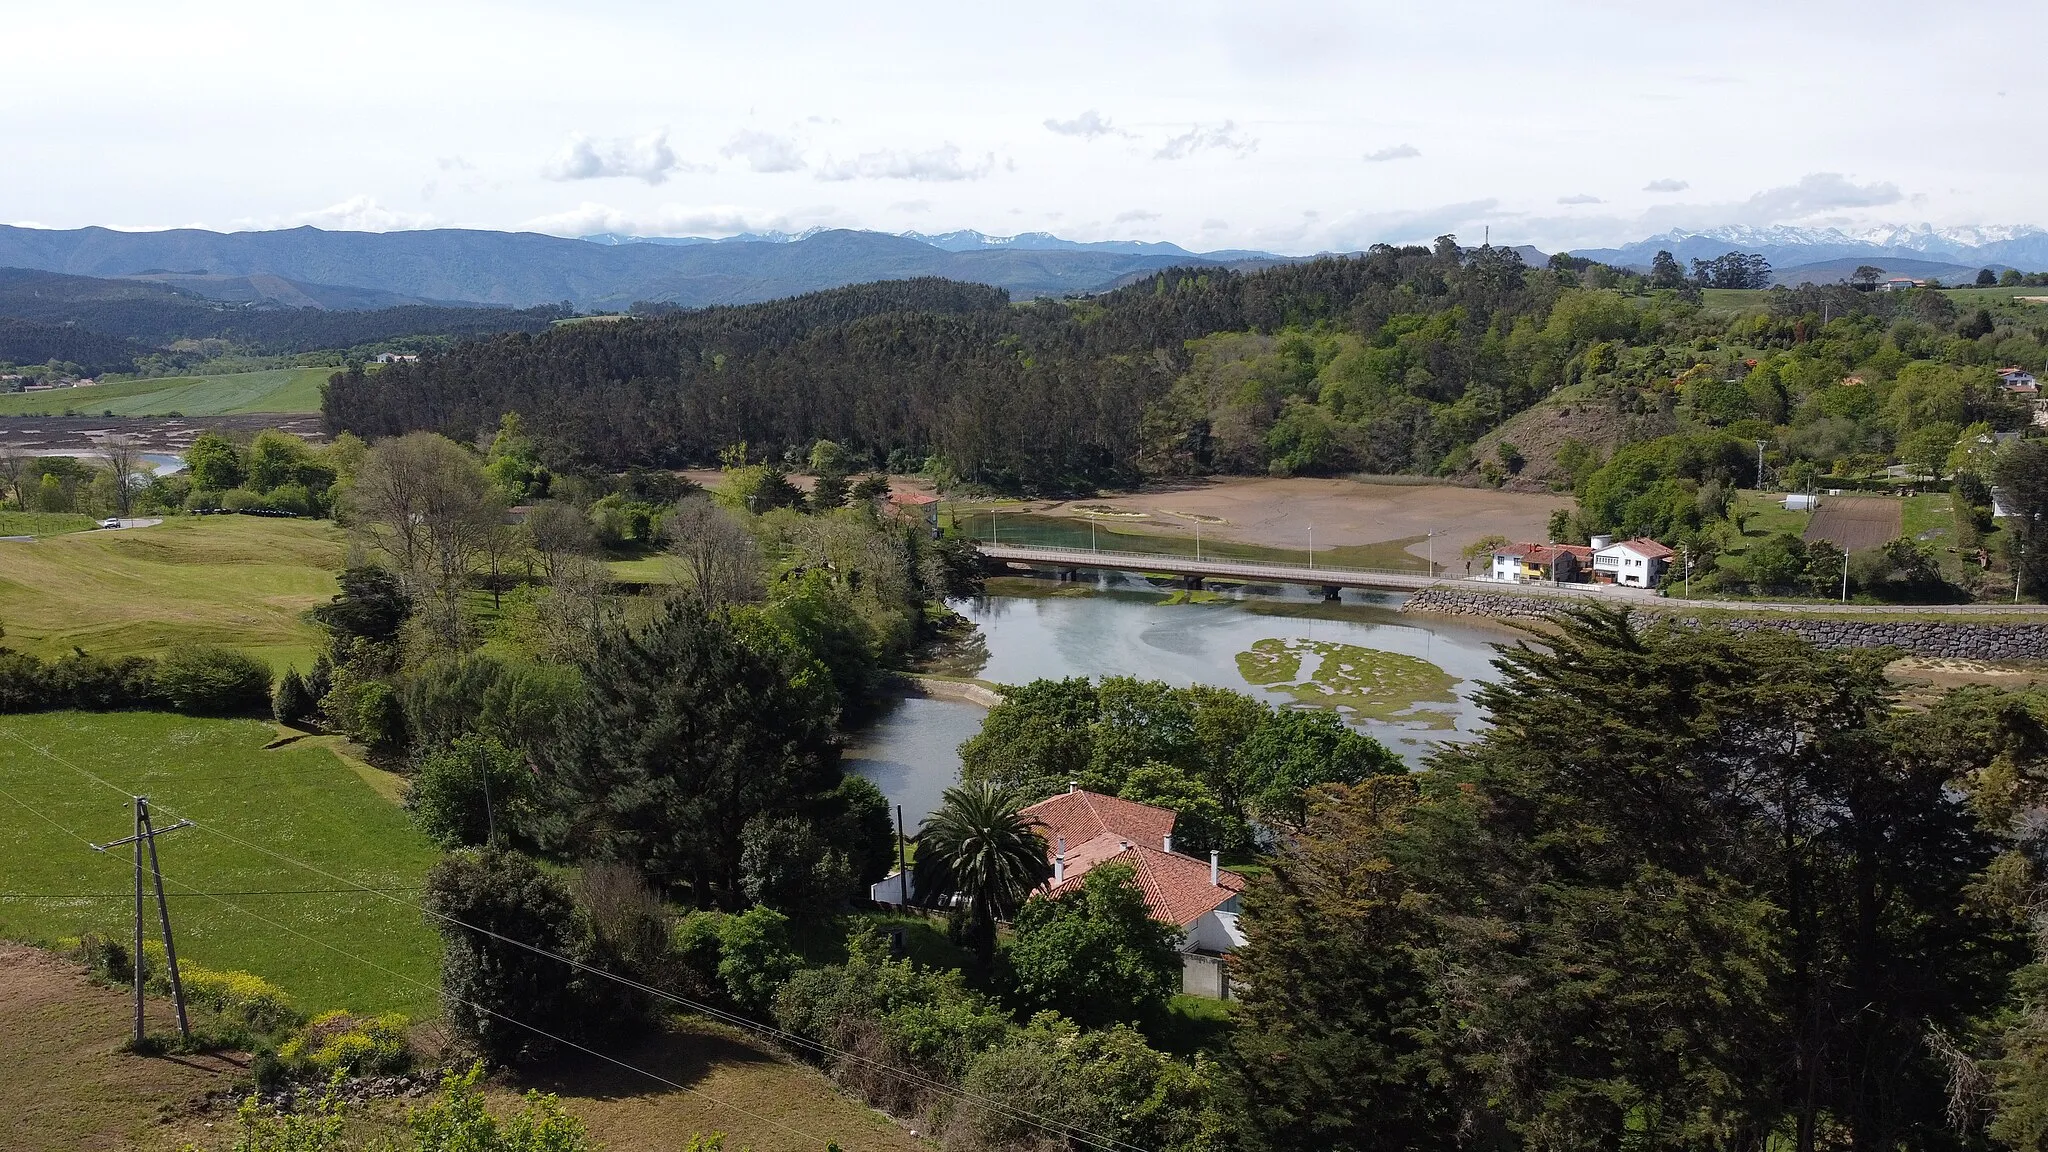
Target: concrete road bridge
(1194, 572)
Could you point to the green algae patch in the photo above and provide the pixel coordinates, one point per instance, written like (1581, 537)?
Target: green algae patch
(1364, 682)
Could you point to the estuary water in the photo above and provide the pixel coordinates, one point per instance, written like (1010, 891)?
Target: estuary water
(1121, 626)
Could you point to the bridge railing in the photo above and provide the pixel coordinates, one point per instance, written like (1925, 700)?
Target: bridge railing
(1166, 560)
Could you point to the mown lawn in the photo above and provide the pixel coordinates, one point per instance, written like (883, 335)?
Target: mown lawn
(274, 390)
(301, 800)
(244, 581)
(43, 524)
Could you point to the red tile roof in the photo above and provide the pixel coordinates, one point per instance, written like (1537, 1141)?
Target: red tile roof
(1176, 887)
(1080, 816)
(1644, 546)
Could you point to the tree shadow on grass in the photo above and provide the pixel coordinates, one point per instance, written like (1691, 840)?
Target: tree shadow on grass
(680, 1052)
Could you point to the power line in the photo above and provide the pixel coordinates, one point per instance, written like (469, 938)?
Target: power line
(658, 1078)
(237, 892)
(1021, 1116)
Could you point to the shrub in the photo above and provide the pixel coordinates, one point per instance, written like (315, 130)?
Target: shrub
(463, 793)
(250, 1000)
(293, 702)
(240, 500)
(785, 864)
(755, 957)
(480, 900)
(338, 1043)
(1096, 954)
(79, 680)
(209, 680)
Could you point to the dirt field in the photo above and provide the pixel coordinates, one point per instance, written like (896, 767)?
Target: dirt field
(66, 1085)
(1276, 513)
(1854, 523)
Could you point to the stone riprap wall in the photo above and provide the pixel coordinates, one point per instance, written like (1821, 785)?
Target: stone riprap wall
(1959, 637)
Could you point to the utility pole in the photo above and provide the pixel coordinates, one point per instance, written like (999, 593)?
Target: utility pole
(1760, 464)
(146, 833)
(902, 861)
(1845, 575)
(1311, 547)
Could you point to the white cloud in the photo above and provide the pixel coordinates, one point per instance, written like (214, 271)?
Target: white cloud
(1397, 152)
(1135, 215)
(1581, 198)
(1224, 137)
(646, 158)
(765, 151)
(911, 206)
(942, 164)
(590, 219)
(358, 213)
(1666, 185)
(1088, 125)
(1816, 197)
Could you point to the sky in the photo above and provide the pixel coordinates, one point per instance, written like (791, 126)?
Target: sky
(1287, 125)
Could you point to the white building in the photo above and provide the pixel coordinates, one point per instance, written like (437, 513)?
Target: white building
(1637, 563)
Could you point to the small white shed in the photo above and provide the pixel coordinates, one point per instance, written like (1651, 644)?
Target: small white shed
(1801, 502)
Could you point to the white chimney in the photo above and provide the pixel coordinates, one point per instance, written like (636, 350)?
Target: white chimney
(1059, 863)
(1215, 868)
(1166, 845)
(1072, 787)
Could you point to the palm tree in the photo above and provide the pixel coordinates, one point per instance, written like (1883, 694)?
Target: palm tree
(977, 847)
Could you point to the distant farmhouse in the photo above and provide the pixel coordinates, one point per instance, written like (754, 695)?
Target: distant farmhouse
(1637, 563)
(2022, 385)
(1084, 830)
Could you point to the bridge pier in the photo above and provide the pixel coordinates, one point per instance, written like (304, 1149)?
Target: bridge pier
(1191, 583)
(1331, 593)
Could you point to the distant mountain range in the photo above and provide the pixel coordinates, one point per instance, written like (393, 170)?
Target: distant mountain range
(311, 268)
(1817, 252)
(524, 269)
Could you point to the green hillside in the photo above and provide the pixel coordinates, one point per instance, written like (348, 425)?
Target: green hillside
(276, 390)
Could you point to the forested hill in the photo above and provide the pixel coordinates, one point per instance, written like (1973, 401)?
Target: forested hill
(105, 325)
(1391, 360)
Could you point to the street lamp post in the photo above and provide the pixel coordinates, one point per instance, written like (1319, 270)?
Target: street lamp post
(1311, 547)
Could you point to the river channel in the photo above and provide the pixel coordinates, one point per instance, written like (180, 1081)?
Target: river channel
(1121, 626)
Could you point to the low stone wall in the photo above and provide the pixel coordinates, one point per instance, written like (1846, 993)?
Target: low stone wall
(1960, 638)
(957, 690)
(1447, 601)
(1957, 639)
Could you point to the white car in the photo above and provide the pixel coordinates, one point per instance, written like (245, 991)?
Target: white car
(110, 522)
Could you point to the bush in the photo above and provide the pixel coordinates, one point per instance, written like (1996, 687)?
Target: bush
(480, 900)
(1096, 954)
(785, 864)
(209, 680)
(462, 793)
(249, 1000)
(241, 500)
(293, 702)
(337, 1043)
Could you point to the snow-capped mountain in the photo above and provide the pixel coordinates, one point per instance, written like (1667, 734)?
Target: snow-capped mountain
(964, 240)
(1998, 246)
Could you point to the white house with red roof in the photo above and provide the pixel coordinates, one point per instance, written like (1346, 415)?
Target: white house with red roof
(1084, 830)
(1637, 563)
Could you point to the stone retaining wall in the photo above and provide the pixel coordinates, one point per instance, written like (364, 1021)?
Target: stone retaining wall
(1958, 638)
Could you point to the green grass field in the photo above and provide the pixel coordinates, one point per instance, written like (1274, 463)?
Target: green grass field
(244, 581)
(300, 800)
(44, 523)
(277, 390)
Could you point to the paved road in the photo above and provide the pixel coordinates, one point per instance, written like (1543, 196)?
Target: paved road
(1268, 572)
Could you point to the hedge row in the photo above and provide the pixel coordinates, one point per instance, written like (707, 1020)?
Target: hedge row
(196, 679)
